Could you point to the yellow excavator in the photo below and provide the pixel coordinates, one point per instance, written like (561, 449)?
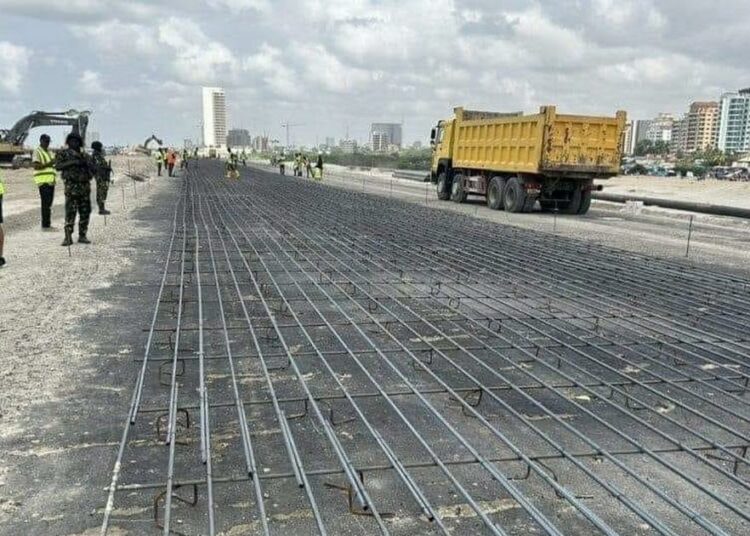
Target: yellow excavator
(144, 148)
(12, 150)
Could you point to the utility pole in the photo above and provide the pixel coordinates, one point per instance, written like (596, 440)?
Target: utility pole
(287, 125)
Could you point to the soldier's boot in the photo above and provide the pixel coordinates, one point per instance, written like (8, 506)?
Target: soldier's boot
(68, 239)
(82, 239)
(103, 211)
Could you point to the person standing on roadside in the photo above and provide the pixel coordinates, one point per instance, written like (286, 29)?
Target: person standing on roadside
(159, 160)
(76, 169)
(2, 233)
(45, 178)
(318, 172)
(103, 175)
(171, 161)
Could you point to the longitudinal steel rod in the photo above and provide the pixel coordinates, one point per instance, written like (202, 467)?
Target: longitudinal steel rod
(540, 471)
(202, 390)
(138, 389)
(507, 485)
(458, 349)
(361, 494)
(252, 468)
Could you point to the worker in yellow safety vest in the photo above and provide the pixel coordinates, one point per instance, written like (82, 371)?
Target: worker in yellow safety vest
(45, 178)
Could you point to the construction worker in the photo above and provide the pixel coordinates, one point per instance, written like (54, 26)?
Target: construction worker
(103, 175)
(159, 160)
(308, 166)
(171, 161)
(77, 170)
(184, 161)
(318, 171)
(45, 178)
(2, 233)
(243, 157)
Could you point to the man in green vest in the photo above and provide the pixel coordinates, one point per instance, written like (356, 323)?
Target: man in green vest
(2, 233)
(45, 178)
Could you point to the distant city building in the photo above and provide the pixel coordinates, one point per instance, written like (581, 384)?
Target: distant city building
(348, 146)
(391, 131)
(700, 127)
(628, 146)
(660, 128)
(679, 135)
(239, 137)
(261, 144)
(379, 142)
(214, 117)
(734, 121)
(330, 142)
(188, 144)
(641, 128)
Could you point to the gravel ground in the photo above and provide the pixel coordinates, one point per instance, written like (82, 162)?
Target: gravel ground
(715, 192)
(46, 293)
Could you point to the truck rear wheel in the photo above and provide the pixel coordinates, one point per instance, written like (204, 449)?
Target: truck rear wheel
(458, 195)
(514, 196)
(495, 193)
(442, 187)
(585, 202)
(574, 205)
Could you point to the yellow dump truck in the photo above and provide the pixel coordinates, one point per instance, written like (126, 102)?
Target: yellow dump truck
(515, 160)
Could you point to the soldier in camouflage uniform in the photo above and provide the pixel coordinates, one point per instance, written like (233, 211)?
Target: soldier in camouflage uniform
(103, 173)
(77, 169)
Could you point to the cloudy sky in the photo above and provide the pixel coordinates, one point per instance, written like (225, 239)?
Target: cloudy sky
(329, 64)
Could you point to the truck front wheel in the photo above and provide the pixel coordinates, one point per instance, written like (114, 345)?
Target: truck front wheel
(514, 196)
(495, 193)
(442, 187)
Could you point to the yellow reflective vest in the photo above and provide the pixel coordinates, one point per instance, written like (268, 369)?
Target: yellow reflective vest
(46, 175)
(2, 186)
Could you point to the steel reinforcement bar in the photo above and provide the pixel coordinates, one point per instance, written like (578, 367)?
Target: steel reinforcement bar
(363, 365)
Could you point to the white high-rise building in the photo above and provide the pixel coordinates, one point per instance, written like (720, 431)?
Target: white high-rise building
(734, 121)
(214, 117)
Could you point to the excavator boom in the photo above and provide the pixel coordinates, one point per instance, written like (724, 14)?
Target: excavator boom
(11, 141)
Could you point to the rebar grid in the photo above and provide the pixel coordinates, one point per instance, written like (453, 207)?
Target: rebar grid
(450, 376)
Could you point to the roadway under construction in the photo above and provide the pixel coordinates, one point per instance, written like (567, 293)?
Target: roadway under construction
(326, 361)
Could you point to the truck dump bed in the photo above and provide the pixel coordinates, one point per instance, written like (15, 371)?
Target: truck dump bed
(544, 143)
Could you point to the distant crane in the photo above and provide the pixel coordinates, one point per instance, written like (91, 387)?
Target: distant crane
(287, 126)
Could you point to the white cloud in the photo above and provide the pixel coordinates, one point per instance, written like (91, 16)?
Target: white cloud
(196, 58)
(267, 64)
(90, 83)
(324, 71)
(237, 6)
(114, 38)
(79, 11)
(14, 63)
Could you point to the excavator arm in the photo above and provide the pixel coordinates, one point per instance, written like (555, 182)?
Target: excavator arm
(149, 140)
(17, 135)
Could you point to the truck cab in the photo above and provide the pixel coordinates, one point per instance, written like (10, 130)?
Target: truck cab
(441, 140)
